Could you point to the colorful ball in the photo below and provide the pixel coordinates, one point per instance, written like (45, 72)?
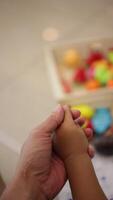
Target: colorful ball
(94, 56)
(111, 70)
(66, 86)
(90, 73)
(92, 84)
(101, 64)
(110, 84)
(71, 58)
(102, 74)
(86, 111)
(110, 56)
(80, 75)
(102, 120)
(88, 124)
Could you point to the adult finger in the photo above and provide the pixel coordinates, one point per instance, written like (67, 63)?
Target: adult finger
(75, 114)
(88, 133)
(91, 151)
(80, 121)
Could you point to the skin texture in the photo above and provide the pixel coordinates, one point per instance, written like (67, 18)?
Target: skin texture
(41, 172)
(72, 144)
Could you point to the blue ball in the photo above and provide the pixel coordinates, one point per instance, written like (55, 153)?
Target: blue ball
(102, 120)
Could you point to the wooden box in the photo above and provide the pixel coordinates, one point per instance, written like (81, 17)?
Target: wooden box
(98, 98)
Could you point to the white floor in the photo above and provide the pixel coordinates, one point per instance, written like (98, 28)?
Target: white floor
(25, 92)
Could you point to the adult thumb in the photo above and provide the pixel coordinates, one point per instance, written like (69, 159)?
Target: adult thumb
(53, 121)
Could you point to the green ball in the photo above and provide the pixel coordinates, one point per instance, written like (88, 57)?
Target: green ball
(110, 57)
(105, 78)
(103, 75)
(99, 72)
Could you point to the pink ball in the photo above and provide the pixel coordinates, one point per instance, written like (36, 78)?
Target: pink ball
(90, 73)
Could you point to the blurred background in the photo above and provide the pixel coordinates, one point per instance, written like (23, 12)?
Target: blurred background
(26, 28)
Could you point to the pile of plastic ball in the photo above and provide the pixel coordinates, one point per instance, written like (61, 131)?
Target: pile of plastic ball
(101, 121)
(92, 72)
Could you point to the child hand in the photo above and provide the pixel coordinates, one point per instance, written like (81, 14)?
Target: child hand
(70, 138)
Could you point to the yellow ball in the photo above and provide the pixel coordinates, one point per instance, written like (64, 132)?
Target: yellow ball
(86, 111)
(101, 64)
(71, 58)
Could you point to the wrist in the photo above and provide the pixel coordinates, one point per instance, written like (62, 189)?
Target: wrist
(23, 189)
(72, 158)
(74, 144)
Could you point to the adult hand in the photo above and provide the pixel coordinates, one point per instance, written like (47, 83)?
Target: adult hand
(40, 168)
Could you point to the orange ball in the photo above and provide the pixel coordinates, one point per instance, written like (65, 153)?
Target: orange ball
(71, 58)
(110, 83)
(92, 85)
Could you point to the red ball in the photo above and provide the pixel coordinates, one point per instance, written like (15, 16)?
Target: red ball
(80, 75)
(94, 56)
(89, 124)
(66, 86)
